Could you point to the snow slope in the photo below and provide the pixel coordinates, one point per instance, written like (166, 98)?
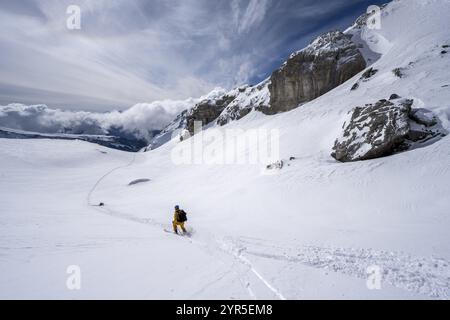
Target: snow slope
(308, 230)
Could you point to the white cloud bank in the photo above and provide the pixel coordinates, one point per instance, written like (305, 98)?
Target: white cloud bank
(140, 120)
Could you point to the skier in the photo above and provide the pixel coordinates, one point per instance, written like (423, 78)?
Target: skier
(179, 218)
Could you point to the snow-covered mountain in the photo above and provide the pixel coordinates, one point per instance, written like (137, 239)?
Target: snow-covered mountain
(217, 108)
(297, 224)
(330, 60)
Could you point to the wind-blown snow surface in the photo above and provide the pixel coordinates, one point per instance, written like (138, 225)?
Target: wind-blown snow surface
(309, 230)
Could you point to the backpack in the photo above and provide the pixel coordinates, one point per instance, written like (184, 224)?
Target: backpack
(182, 216)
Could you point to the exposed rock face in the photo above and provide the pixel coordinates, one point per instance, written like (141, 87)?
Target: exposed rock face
(366, 76)
(326, 63)
(398, 72)
(219, 106)
(246, 99)
(280, 164)
(383, 128)
(204, 109)
(373, 131)
(369, 73)
(362, 19)
(424, 117)
(207, 111)
(177, 125)
(276, 165)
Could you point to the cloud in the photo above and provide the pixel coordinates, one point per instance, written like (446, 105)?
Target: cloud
(131, 51)
(253, 16)
(139, 120)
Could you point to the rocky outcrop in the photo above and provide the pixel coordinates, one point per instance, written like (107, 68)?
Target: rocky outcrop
(366, 76)
(207, 111)
(398, 72)
(219, 106)
(383, 128)
(246, 99)
(326, 63)
(280, 164)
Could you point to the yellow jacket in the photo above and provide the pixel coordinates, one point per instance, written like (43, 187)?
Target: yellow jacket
(175, 216)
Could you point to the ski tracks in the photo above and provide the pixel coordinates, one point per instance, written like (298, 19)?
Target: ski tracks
(240, 264)
(97, 183)
(245, 283)
(228, 245)
(427, 276)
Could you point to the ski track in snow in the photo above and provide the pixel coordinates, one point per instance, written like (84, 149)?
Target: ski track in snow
(427, 276)
(97, 183)
(224, 248)
(430, 276)
(229, 248)
(230, 251)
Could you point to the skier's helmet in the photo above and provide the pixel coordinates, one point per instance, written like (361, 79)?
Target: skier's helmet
(177, 207)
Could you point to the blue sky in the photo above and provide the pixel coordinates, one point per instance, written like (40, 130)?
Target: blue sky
(131, 51)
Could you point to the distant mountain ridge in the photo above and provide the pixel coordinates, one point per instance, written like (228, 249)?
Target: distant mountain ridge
(119, 142)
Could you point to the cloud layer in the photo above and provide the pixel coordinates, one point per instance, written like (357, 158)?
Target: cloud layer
(131, 51)
(140, 121)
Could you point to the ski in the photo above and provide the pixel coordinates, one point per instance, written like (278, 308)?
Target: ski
(180, 234)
